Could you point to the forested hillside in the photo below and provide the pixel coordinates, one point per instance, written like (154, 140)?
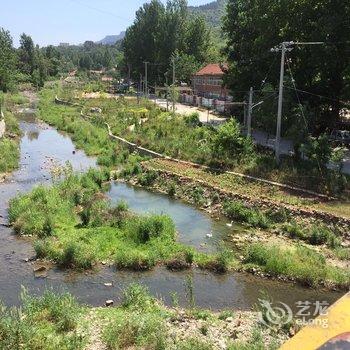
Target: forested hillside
(212, 12)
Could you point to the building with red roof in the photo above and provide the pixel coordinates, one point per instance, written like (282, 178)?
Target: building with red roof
(208, 82)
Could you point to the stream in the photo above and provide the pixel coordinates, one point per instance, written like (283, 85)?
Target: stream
(43, 147)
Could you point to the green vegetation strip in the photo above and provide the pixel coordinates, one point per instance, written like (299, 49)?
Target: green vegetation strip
(9, 144)
(81, 244)
(76, 226)
(53, 322)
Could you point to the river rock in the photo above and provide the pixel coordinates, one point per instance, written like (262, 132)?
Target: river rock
(109, 303)
(39, 269)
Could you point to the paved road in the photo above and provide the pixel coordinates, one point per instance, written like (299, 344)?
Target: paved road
(286, 147)
(180, 108)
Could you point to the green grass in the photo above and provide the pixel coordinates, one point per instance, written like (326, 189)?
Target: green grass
(9, 151)
(300, 263)
(140, 322)
(9, 146)
(58, 322)
(315, 234)
(49, 322)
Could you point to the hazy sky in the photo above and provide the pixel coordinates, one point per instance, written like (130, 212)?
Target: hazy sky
(73, 21)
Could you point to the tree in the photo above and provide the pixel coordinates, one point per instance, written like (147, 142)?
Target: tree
(253, 27)
(228, 144)
(7, 61)
(85, 62)
(186, 67)
(158, 32)
(26, 55)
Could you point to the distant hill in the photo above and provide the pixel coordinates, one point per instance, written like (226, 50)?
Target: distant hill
(212, 12)
(111, 39)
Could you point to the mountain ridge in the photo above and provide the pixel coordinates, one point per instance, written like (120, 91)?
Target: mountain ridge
(111, 39)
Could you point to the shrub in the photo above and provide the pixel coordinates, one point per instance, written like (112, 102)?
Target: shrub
(237, 211)
(47, 322)
(181, 260)
(134, 259)
(293, 230)
(225, 314)
(75, 256)
(148, 178)
(192, 120)
(342, 253)
(146, 228)
(228, 143)
(172, 189)
(9, 151)
(137, 297)
(41, 248)
(136, 330)
(198, 195)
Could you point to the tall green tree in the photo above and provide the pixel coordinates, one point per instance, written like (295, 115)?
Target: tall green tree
(253, 27)
(158, 32)
(26, 53)
(7, 61)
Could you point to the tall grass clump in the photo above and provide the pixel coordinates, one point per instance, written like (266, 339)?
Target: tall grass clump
(47, 322)
(315, 234)
(141, 324)
(253, 217)
(300, 263)
(9, 151)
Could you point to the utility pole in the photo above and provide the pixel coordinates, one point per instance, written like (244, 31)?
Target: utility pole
(129, 75)
(173, 60)
(284, 47)
(167, 92)
(140, 90)
(250, 110)
(146, 78)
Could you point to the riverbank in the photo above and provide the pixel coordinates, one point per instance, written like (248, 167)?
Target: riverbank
(9, 142)
(58, 321)
(325, 248)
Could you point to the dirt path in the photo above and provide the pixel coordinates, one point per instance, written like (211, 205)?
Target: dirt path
(95, 332)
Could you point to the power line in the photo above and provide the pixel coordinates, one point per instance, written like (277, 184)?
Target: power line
(320, 96)
(101, 11)
(296, 93)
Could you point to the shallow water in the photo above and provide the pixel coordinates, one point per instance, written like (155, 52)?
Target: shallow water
(193, 225)
(43, 147)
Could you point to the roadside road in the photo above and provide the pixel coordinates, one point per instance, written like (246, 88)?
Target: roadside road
(260, 137)
(180, 108)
